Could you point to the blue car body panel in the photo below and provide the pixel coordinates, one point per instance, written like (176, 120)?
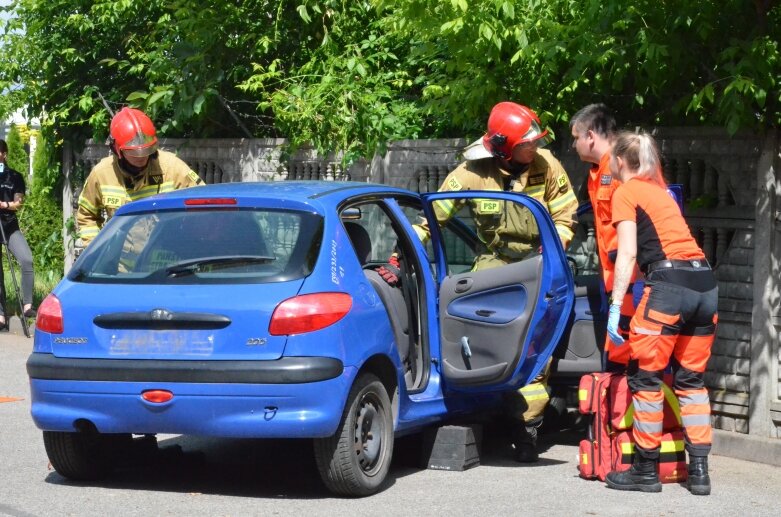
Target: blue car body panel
(288, 386)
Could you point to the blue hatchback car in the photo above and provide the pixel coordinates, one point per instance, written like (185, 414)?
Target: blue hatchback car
(254, 310)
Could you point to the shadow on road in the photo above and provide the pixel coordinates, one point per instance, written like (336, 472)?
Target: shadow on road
(279, 469)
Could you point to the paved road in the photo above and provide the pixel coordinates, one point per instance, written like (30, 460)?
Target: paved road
(252, 477)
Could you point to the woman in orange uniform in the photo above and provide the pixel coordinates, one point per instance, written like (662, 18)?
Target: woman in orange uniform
(675, 321)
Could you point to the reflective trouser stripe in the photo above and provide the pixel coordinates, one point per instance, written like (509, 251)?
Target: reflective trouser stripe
(649, 418)
(695, 415)
(536, 396)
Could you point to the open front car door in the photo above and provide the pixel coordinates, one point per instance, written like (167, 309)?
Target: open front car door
(502, 314)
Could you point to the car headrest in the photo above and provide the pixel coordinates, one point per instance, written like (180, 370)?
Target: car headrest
(360, 240)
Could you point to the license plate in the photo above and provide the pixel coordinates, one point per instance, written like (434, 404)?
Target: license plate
(162, 342)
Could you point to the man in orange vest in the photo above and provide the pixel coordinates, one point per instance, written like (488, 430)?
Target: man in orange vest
(593, 130)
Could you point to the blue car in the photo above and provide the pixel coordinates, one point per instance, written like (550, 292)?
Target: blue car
(255, 310)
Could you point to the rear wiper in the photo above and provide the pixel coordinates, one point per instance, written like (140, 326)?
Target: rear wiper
(189, 267)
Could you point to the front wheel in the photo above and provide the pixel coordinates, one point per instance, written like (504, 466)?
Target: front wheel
(355, 460)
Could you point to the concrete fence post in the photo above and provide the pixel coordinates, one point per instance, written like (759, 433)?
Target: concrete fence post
(764, 337)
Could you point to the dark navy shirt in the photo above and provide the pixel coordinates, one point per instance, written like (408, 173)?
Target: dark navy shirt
(11, 183)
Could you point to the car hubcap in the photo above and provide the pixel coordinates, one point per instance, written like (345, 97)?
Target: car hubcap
(369, 428)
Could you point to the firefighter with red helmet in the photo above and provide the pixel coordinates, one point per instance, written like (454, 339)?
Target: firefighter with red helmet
(135, 170)
(509, 158)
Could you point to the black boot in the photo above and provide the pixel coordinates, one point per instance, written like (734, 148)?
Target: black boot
(641, 476)
(698, 481)
(525, 444)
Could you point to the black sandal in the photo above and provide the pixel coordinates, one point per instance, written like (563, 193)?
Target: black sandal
(30, 313)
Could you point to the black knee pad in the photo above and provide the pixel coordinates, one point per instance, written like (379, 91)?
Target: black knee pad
(643, 380)
(686, 379)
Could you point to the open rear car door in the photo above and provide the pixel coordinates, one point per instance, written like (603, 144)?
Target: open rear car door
(498, 325)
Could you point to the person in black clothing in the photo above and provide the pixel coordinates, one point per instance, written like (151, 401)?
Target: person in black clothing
(12, 190)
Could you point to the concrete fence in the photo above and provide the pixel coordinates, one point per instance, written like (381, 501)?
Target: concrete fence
(730, 184)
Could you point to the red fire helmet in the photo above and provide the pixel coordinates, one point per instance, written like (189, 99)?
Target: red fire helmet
(133, 133)
(509, 126)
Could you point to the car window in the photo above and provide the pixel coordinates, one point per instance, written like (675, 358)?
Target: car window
(203, 246)
(508, 227)
(379, 230)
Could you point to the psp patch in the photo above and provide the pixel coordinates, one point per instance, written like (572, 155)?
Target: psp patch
(562, 183)
(454, 184)
(112, 201)
(606, 179)
(488, 206)
(194, 177)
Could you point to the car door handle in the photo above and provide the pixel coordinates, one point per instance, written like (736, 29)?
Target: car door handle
(463, 285)
(485, 313)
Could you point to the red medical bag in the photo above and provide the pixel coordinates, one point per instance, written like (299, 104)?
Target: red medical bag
(609, 445)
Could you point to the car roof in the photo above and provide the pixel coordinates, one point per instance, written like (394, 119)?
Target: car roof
(317, 196)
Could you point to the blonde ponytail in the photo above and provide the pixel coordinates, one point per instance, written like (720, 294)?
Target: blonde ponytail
(641, 155)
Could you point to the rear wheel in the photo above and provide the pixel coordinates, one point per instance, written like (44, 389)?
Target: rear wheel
(84, 456)
(355, 460)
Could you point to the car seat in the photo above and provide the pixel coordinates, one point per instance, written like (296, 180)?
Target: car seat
(391, 296)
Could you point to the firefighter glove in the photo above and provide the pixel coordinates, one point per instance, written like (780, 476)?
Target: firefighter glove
(391, 271)
(612, 324)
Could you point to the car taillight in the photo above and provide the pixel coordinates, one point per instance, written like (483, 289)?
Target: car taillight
(49, 315)
(309, 312)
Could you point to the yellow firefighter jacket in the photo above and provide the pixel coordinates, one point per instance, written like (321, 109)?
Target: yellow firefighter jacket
(509, 231)
(108, 187)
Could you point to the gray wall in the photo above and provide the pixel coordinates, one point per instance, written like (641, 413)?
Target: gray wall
(730, 183)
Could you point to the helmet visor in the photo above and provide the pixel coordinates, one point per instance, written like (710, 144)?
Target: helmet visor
(140, 152)
(544, 139)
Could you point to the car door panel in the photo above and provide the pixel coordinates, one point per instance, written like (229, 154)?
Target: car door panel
(499, 326)
(476, 324)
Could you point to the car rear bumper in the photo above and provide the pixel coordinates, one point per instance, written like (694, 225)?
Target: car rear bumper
(287, 370)
(235, 407)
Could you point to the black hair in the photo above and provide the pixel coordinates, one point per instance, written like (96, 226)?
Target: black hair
(3, 146)
(597, 118)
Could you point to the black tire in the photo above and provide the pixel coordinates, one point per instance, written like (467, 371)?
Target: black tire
(83, 456)
(355, 460)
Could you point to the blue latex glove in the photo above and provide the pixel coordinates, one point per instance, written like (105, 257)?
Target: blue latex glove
(612, 324)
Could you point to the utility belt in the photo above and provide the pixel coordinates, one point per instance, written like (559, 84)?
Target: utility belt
(696, 264)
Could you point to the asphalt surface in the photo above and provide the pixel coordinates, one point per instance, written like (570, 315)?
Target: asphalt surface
(205, 476)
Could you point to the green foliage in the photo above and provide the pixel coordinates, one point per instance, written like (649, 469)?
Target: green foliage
(655, 63)
(352, 93)
(41, 216)
(17, 158)
(350, 76)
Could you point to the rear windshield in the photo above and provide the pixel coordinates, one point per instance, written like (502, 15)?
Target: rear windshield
(202, 246)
